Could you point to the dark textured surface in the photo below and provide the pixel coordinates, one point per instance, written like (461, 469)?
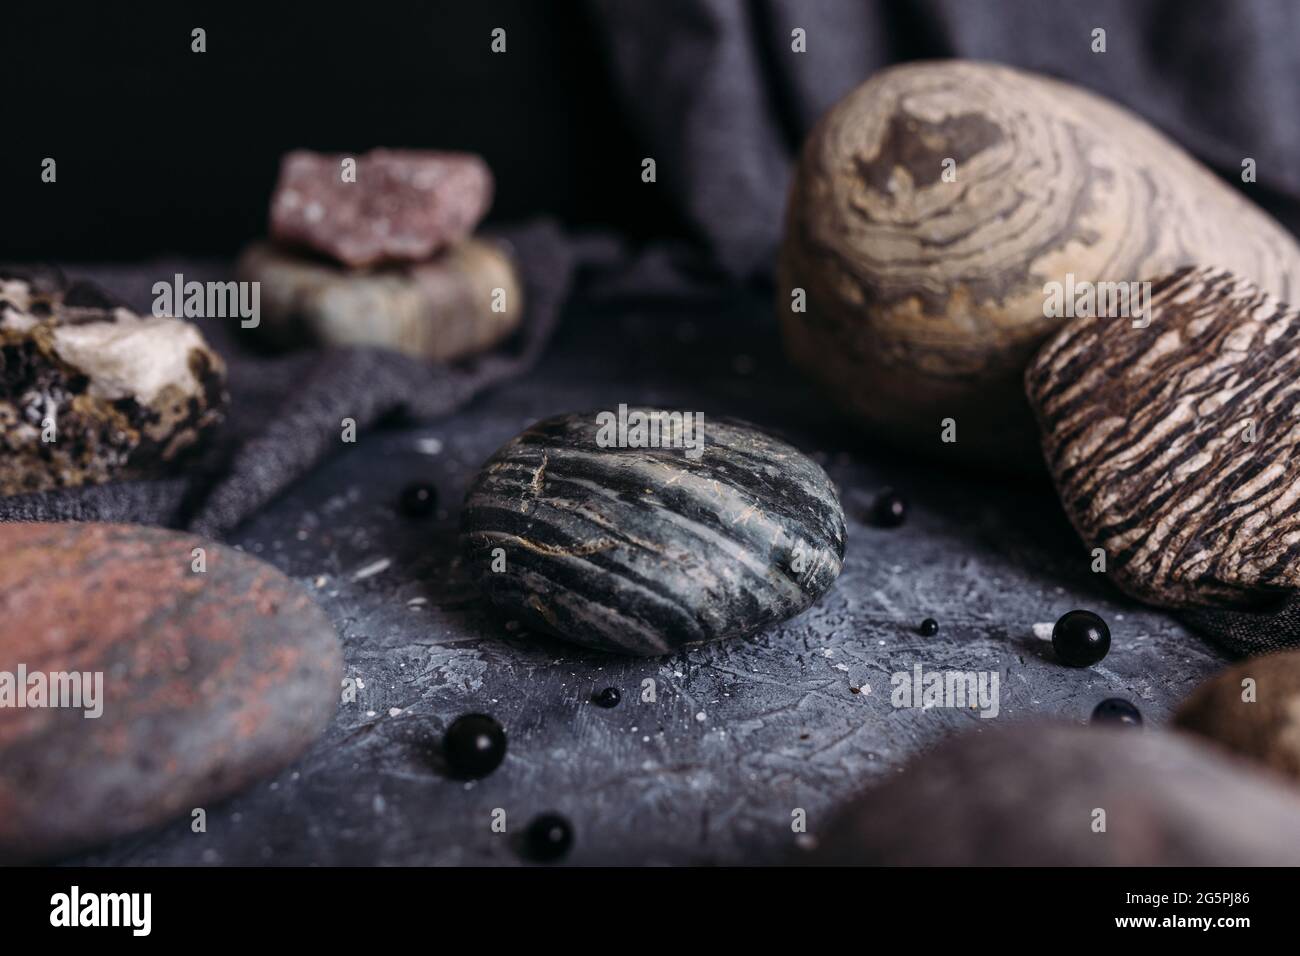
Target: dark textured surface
(781, 727)
(1044, 795)
(210, 680)
(643, 550)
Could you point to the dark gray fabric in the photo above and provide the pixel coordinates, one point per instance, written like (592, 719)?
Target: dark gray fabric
(722, 103)
(1271, 627)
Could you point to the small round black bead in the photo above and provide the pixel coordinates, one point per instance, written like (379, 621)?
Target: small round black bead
(419, 499)
(1117, 710)
(609, 697)
(1080, 638)
(889, 509)
(475, 745)
(929, 627)
(548, 838)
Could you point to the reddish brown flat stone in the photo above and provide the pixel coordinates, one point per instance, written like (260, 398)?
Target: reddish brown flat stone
(403, 206)
(210, 680)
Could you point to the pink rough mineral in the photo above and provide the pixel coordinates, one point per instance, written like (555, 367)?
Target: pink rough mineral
(401, 205)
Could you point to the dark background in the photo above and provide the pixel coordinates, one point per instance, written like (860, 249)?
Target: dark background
(160, 149)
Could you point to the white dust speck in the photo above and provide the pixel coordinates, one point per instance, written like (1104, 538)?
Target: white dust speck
(428, 446)
(370, 713)
(701, 716)
(1043, 631)
(371, 569)
(394, 711)
(841, 667)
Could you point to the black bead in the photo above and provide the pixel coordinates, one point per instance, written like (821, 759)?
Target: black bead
(929, 627)
(548, 838)
(419, 499)
(889, 509)
(475, 745)
(1080, 638)
(609, 697)
(1117, 710)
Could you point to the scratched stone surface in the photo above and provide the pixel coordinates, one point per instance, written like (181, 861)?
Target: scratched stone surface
(741, 733)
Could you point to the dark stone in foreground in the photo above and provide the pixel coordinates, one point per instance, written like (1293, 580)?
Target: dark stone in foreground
(644, 550)
(1027, 795)
(210, 680)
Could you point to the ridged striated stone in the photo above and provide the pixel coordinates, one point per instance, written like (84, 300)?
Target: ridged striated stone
(91, 392)
(1175, 447)
(645, 550)
(1253, 709)
(1060, 795)
(464, 301)
(209, 680)
(402, 206)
